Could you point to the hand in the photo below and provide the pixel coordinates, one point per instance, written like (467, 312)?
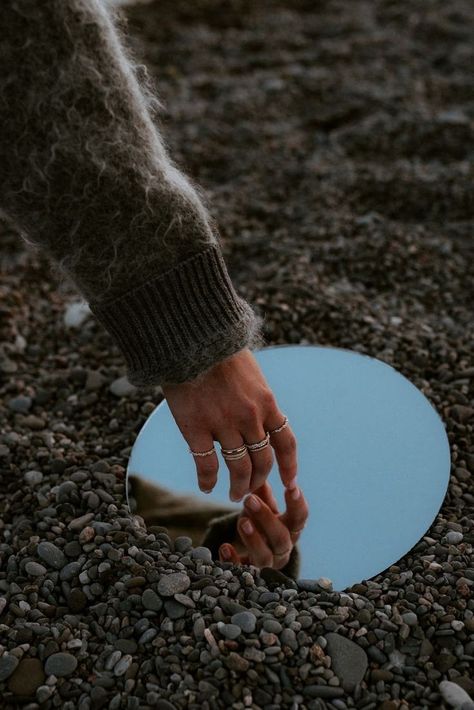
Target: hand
(232, 403)
(272, 540)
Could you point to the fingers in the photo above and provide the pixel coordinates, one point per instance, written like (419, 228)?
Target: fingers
(206, 466)
(266, 494)
(240, 470)
(228, 553)
(271, 527)
(284, 445)
(260, 554)
(297, 511)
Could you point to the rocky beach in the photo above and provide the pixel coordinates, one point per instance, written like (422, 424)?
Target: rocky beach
(333, 142)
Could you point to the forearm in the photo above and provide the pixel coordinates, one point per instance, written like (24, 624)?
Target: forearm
(86, 178)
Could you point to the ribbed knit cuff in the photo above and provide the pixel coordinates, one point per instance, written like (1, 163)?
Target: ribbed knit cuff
(176, 326)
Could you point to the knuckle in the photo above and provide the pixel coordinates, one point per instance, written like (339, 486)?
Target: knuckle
(248, 410)
(268, 399)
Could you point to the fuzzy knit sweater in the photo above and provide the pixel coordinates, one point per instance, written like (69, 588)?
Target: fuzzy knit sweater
(85, 177)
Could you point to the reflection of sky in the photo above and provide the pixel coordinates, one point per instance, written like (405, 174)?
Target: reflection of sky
(373, 458)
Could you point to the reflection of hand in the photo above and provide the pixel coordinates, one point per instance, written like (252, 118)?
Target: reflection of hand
(274, 534)
(232, 403)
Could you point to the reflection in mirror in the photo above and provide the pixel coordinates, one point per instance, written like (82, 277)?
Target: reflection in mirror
(373, 465)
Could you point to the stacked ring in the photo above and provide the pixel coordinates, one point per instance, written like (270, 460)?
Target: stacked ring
(240, 451)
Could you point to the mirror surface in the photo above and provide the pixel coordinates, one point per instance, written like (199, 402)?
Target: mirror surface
(373, 461)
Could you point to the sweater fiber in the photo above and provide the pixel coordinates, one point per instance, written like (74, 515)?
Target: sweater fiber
(85, 177)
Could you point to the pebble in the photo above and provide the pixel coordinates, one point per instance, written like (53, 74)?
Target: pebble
(35, 569)
(174, 583)
(121, 387)
(348, 660)
(8, 663)
(21, 404)
(453, 537)
(410, 618)
(245, 620)
(151, 600)
(453, 693)
(51, 554)
(60, 664)
(32, 478)
(201, 553)
(27, 677)
(76, 313)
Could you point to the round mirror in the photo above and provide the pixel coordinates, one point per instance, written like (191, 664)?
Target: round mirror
(373, 463)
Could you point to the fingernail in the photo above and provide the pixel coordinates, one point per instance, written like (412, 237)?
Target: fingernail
(292, 484)
(225, 552)
(295, 494)
(247, 526)
(236, 499)
(206, 490)
(253, 503)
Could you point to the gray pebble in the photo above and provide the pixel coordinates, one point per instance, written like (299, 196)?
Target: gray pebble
(173, 583)
(32, 478)
(245, 620)
(20, 404)
(453, 537)
(35, 569)
(410, 618)
(8, 663)
(51, 554)
(60, 664)
(151, 600)
(201, 553)
(230, 631)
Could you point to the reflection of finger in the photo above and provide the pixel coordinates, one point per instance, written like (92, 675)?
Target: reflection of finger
(270, 525)
(228, 553)
(297, 510)
(266, 494)
(259, 553)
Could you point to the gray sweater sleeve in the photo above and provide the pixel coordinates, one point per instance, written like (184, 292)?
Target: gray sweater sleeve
(86, 178)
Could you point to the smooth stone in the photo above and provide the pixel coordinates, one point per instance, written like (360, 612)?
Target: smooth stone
(35, 569)
(348, 660)
(245, 620)
(201, 553)
(230, 631)
(60, 664)
(151, 600)
(410, 618)
(272, 626)
(76, 313)
(51, 554)
(33, 477)
(121, 387)
(28, 676)
(20, 404)
(453, 537)
(174, 583)
(453, 693)
(8, 663)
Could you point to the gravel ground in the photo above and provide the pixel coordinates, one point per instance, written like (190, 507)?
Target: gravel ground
(333, 141)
